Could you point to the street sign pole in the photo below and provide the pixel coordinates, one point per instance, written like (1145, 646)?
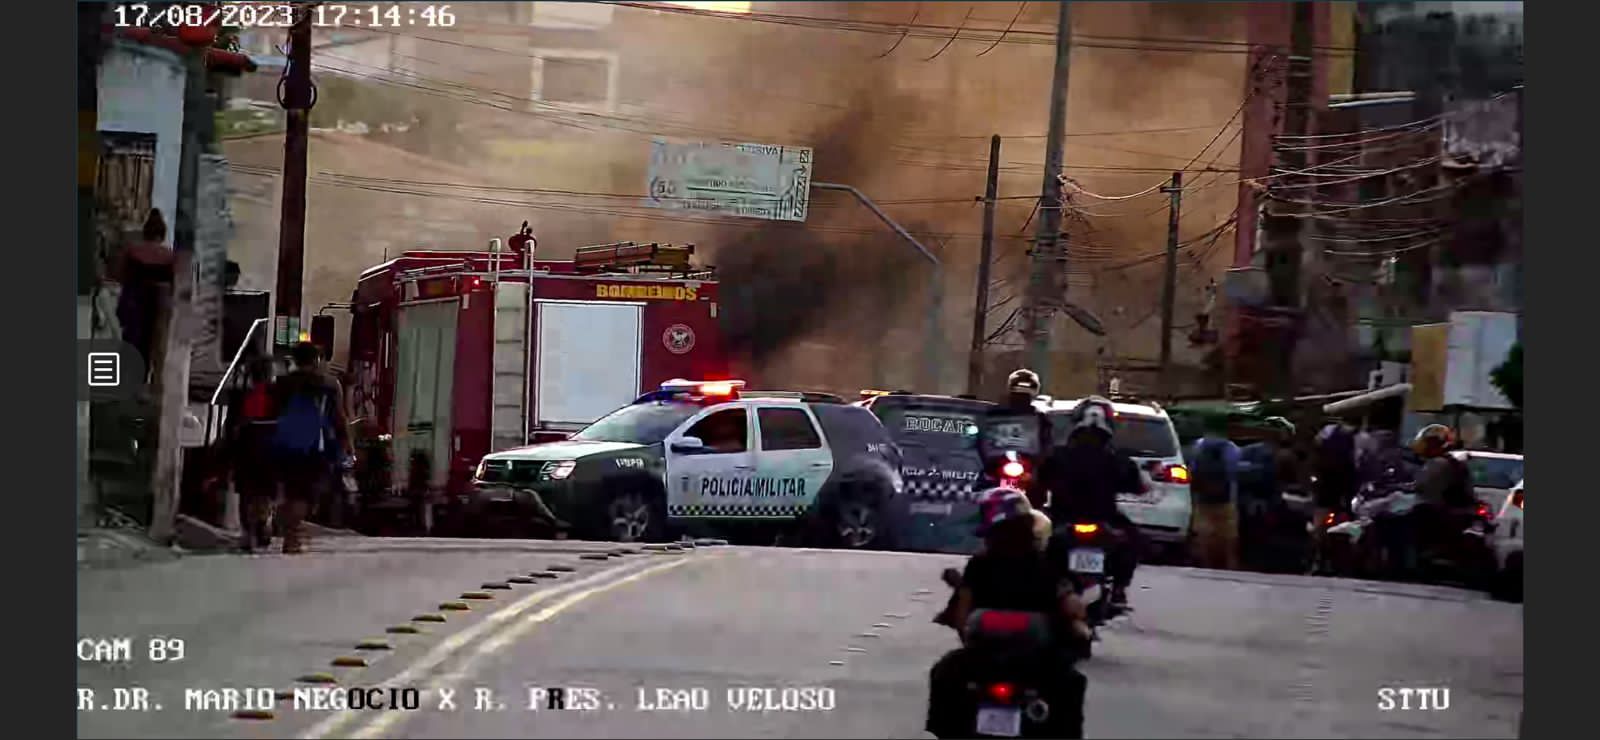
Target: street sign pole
(934, 344)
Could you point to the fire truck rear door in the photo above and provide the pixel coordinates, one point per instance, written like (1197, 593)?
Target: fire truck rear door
(425, 385)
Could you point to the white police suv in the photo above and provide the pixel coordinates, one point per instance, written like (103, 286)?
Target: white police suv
(705, 455)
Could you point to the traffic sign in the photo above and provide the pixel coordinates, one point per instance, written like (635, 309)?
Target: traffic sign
(762, 181)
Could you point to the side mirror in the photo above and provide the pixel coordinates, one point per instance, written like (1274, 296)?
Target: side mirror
(689, 446)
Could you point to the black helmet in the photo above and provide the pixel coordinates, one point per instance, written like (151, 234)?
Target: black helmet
(1094, 413)
(1023, 381)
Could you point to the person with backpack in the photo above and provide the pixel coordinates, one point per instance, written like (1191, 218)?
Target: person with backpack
(311, 437)
(248, 436)
(1214, 486)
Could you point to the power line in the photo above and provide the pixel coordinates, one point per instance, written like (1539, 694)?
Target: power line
(1128, 43)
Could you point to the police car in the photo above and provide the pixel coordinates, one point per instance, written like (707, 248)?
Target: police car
(1145, 433)
(938, 440)
(706, 455)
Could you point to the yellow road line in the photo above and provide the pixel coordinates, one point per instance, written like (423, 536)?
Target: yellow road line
(385, 724)
(442, 652)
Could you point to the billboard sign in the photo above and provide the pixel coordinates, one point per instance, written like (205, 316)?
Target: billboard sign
(762, 181)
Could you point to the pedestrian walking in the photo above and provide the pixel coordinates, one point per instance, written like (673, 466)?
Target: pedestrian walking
(248, 454)
(310, 440)
(144, 273)
(1214, 484)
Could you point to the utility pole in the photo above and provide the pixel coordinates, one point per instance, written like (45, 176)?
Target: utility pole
(1170, 283)
(1048, 261)
(980, 312)
(296, 97)
(90, 17)
(1283, 224)
(172, 375)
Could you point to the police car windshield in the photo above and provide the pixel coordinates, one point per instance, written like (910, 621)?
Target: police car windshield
(1137, 436)
(640, 424)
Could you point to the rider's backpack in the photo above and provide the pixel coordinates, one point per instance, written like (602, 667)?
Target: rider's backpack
(1209, 481)
(303, 424)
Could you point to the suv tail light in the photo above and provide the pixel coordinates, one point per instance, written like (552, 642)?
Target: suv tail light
(1171, 474)
(1516, 497)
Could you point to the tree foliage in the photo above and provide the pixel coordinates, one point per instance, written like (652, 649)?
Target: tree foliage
(1508, 376)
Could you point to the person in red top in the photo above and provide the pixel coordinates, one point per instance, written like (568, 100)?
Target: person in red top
(252, 415)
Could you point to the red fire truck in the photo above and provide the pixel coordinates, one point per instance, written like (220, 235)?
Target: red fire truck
(452, 356)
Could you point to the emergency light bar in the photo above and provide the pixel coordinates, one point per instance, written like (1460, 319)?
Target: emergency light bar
(678, 388)
(867, 393)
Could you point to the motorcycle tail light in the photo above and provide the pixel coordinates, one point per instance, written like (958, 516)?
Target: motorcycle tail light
(1483, 510)
(1085, 528)
(1001, 692)
(1012, 469)
(1003, 622)
(1516, 498)
(1330, 519)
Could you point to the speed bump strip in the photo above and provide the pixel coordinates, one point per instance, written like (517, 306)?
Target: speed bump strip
(476, 596)
(454, 606)
(497, 586)
(429, 617)
(373, 645)
(253, 714)
(595, 556)
(318, 678)
(350, 661)
(559, 568)
(545, 574)
(521, 580)
(403, 629)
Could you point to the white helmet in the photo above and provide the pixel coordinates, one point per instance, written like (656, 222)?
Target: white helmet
(1023, 381)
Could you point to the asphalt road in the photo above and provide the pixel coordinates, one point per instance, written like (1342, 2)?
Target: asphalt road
(1205, 654)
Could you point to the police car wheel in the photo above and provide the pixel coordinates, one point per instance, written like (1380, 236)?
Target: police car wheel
(632, 516)
(855, 523)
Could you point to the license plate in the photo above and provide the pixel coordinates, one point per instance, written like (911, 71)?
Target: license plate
(999, 721)
(501, 494)
(1087, 560)
(923, 507)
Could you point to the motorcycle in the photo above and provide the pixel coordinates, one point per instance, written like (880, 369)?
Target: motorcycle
(1371, 543)
(1008, 689)
(1086, 563)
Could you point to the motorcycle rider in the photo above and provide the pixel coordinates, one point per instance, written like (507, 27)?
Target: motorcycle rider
(1443, 486)
(1016, 425)
(1083, 478)
(1013, 574)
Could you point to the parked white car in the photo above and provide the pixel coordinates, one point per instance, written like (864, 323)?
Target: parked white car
(1506, 541)
(1145, 433)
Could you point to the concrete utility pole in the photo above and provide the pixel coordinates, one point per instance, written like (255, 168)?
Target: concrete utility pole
(90, 17)
(172, 375)
(1045, 289)
(980, 311)
(1283, 225)
(296, 96)
(1170, 283)
(935, 339)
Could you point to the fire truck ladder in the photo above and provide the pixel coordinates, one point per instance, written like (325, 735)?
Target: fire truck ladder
(513, 312)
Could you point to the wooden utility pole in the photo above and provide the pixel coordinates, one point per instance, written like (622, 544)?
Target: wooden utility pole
(1045, 289)
(172, 374)
(1170, 283)
(980, 312)
(296, 97)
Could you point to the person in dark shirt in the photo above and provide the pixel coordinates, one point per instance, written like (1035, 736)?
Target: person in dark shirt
(1012, 574)
(1084, 477)
(1016, 425)
(308, 478)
